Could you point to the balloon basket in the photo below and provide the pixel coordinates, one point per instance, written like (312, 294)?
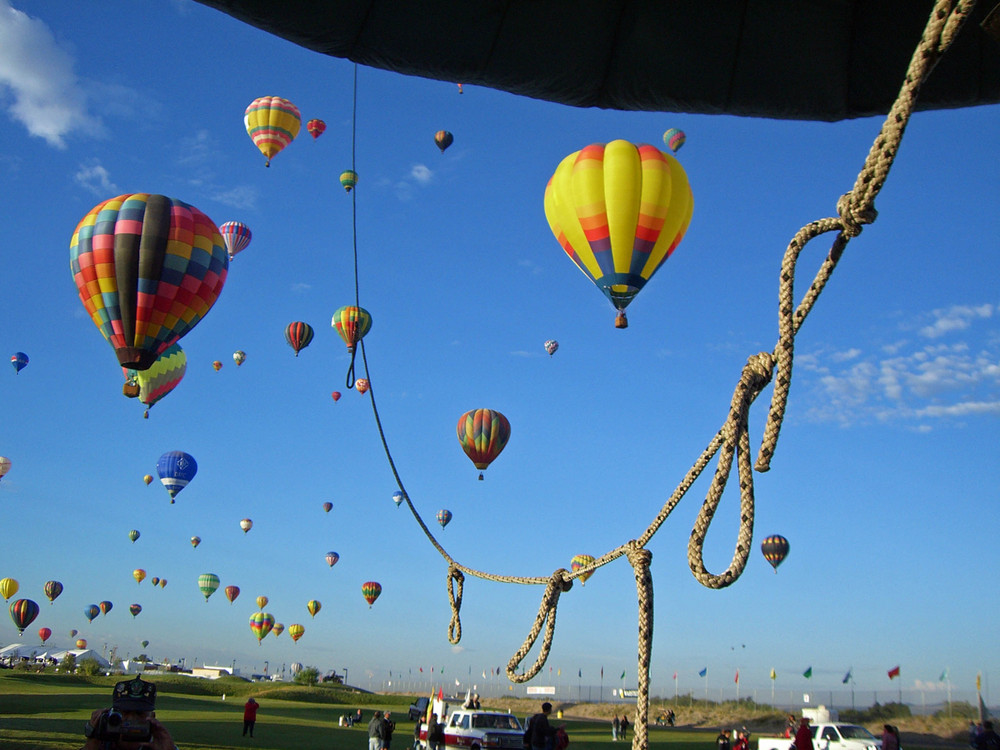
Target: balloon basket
(131, 390)
(620, 320)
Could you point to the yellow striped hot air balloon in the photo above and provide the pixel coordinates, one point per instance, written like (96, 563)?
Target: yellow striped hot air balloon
(161, 378)
(272, 123)
(296, 631)
(619, 211)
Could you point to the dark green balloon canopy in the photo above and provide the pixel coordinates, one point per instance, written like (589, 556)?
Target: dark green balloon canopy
(807, 60)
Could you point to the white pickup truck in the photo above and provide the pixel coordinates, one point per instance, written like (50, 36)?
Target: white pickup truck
(828, 736)
(473, 729)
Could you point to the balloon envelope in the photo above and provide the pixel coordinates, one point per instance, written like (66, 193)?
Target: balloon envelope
(148, 268)
(674, 138)
(176, 469)
(272, 123)
(52, 589)
(246, 524)
(23, 612)
(335, 395)
(298, 335)
(44, 634)
(91, 611)
(155, 580)
(135, 609)
(327, 506)
(105, 607)
(207, 584)
(582, 561)
(313, 606)
(195, 541)
(232, 592)
(362, 385)
(619, 211)
(331, 558)
(81, 643)
(397, 497)
(550, 346)
(4, 466)
(235, 236)
(483, 434)
(352, 323)
(133, 535)
(278, 629)
(444, 517)
(371, 590)
(296, 631)
(775, 549)
(316, 128)
(443, 139)
(261, 624)
(148, 479)
(8, 587)
(262, 602)
(348, 178)
(162, 377)
(217, 365)
(239, 357)
(19, 360)
(144, 644)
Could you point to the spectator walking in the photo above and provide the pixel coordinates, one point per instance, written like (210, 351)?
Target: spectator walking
(249, 716)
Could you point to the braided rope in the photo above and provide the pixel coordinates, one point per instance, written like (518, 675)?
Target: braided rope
(855, 209)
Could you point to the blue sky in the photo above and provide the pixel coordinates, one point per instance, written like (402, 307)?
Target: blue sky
(885, 479)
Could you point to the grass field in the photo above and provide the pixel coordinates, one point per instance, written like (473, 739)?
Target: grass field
(48, 712)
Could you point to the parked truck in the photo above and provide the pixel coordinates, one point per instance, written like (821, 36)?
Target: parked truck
(828, 736)
(473, 729)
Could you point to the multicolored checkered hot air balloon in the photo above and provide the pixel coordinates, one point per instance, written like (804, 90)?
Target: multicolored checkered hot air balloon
(619, 211)
(775, 550)
(161, 378)
(444, 517)
(483, 434)
(582, 561)
(148, 268)
(236, 236)
(371, 590)
(272, 123)
(298, 335)
(352, 323)
(176, 470)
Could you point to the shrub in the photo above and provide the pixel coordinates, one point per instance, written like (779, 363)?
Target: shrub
(89, 667)
(307, 676)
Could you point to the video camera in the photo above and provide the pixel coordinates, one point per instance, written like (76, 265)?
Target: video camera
(129, 697)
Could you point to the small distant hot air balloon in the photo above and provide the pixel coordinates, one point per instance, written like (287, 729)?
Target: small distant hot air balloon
(674, 138)
(155, 580)
(296, 631)
(315, 128)
(261, 624)
(176, 469)
(313, 606)
(246, 524)
(348, 178)
(73, 632)
(331, 558)
(335, 395)
(327, 506)
(278, 629)
(19, 360)
(208, 583)
(235, 236)
(239, 357)
(163, 583)
(8, 587)
(483, 434)
(298, 335)
(371, 590)
(775, 549)
(144, 643)
(148, 479)
(460, 88)
(23, 612)
(133, 535)
(44, 634)
(130, 256)
(619, 211)
(195, 541)
(397, 497)
(272, 123)
(550, 346)
(91, 611)
(105, 607)
(352, 323)
(443, 139)
(217, 365)
(582, 561)
(444, 517)
(362, 385)
(81, 643)
(52, 589)
(232, 592)
(4, 466)
(262, 602)
(135, 609)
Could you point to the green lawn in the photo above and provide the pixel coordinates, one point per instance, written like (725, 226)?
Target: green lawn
(48, 712)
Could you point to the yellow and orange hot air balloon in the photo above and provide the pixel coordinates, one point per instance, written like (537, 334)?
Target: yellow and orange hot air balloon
(296, 631)
(619, 211)
(272, 123)
(139, 575)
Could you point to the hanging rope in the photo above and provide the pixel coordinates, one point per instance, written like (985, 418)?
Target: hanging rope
(854, 210)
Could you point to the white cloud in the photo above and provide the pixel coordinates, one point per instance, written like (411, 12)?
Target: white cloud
(421, 174)
(961, 409)
(243, 197)
(301, 287)
(955, 318)
(46, 96)
(846, 355)
(95, 179)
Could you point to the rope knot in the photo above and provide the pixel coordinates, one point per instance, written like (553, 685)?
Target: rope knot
(455, 625)
(758, 369)
(854, 216)
(638, 557)
(561, 578)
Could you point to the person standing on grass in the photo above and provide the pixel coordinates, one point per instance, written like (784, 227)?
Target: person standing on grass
(375, 732)
(614, 728)
(249, 716)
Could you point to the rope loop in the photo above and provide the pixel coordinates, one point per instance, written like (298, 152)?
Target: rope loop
(559, 582)
(455, 626)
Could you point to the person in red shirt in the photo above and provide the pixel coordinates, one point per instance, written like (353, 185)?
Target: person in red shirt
(249, 716)
(803, 736)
